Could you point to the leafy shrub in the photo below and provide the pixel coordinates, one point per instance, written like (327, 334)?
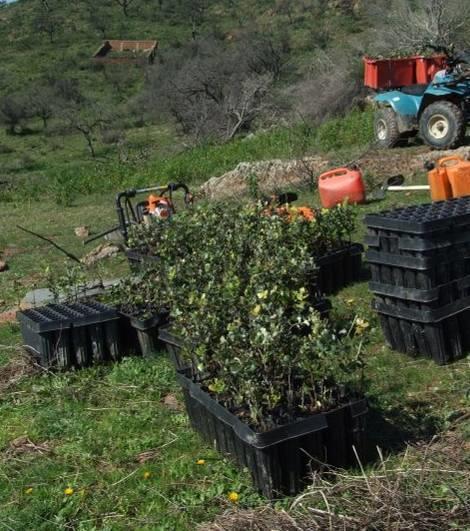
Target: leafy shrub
(242, 285)
(141, 296)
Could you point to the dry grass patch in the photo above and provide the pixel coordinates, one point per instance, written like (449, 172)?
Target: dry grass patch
(427, 488)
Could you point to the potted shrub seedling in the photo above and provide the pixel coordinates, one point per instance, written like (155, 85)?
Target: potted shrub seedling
(266, 380)
(143, 303)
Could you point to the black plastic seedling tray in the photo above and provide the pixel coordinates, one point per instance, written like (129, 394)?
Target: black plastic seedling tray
(422, 299)
(401, 243)
(140, 262)
(339, 268)
(418, 271)
(174, 345)
(146, 332)
(442, 334)
(425, 218)
(71, 335)
(281, 460)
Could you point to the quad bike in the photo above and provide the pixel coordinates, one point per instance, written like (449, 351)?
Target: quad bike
(159, 204)
(438, 110)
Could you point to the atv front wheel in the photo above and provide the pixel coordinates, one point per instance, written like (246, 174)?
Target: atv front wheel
(442, 125)
(386, 128)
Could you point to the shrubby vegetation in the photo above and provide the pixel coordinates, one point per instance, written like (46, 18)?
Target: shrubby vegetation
(242, 290)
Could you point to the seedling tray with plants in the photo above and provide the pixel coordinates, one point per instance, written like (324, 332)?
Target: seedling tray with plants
(142, 331)
(174, 345)
(140, 262)
(280, 460)
(79, 334)
(143, 308)
(265, 378)
(339, 268)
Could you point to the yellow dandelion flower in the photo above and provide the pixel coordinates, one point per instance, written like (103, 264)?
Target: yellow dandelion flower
(147, 474)
(361, 325)
(233, 496)
(29, 490)
(201, 462)
(68, 491)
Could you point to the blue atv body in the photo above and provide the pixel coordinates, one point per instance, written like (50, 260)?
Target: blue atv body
(439, 112)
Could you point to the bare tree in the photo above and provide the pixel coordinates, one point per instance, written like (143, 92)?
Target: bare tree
(48, 22)
(13, 112)
(125, 5)
(414, 26)
(331, 87)
(211, 91)
(88, 120)
(41, 100)
(246, 103)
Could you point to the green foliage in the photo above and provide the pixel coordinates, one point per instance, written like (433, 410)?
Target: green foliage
(355, 128)
(241, 287)
(69, 284)
(142, 295)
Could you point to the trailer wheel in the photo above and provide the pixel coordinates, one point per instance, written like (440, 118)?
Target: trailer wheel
(442, 125)
(386, 129)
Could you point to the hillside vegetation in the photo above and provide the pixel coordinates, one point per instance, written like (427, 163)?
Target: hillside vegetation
(224, 70)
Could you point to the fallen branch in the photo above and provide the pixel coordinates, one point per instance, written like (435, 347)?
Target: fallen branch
(61, 249)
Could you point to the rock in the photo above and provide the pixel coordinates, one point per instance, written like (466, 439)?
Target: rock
(172, 403)
(273, 175)
(42, 296)
(270, 175)
(8, 317)
(3, 266)
(105, 250)
(82, 232)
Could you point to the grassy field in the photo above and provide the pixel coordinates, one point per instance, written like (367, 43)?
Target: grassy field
(118, 437)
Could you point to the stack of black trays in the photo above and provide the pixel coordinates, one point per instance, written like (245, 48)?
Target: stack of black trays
(419, 258)
(80, 334)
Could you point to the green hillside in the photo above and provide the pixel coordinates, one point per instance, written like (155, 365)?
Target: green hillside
(50, 87)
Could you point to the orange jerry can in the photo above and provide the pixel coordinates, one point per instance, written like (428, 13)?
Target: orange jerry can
(341, 184)
(459, 178)
(449, 178)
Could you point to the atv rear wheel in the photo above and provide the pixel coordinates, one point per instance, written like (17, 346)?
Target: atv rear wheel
(442, 125)
(386, 129)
